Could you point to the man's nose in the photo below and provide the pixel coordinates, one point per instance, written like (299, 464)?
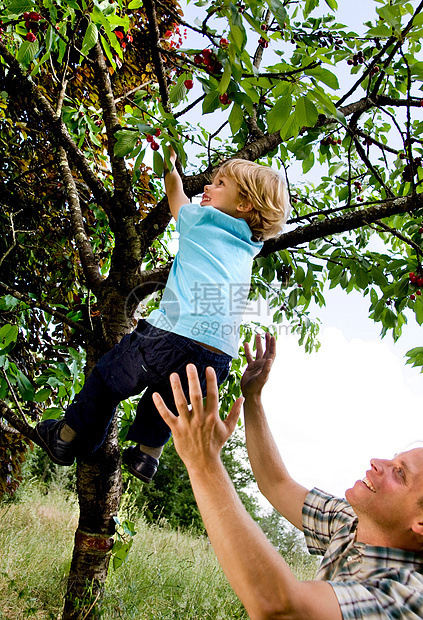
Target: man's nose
(378, 465)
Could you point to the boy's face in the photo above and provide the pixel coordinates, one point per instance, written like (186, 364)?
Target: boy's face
(223, 194)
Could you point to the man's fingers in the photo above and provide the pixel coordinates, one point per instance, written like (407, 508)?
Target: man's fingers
(166, 414)
(233, 415)
(212, 390)
(270, 346)
(178, 394)
(194, 387)
(248, 355)
(259, 347)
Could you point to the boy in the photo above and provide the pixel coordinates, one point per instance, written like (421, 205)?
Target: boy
(196, 322)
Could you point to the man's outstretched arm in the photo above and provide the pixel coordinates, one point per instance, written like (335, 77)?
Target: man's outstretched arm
(260, 577)
(273, 479)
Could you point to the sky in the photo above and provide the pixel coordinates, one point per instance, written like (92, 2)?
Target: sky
(333, 410)
(356, 398)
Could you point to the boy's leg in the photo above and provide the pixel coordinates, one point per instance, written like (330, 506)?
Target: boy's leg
(120, 373)
(149, 430)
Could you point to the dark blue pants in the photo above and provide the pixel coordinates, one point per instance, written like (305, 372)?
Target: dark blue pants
(143, 360)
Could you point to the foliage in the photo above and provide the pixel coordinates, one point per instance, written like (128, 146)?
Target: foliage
(93, 94)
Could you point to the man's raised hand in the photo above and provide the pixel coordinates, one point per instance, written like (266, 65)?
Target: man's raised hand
(198, 433)
(258, 369)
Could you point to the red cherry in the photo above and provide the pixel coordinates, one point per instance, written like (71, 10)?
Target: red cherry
(155, 146)
(149, 138)
(31, 37)
(207, 52)
(412, 296)
(198, 59)
(224, 42)
(418, 293)
(119, 34)
(158, 132)
(189, 84)
(419, 281)
(224, 99)
(35, 17)
(421, 230)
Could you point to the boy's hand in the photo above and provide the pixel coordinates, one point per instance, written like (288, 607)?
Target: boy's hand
(257, 371)
(198, 433)
(172, 155)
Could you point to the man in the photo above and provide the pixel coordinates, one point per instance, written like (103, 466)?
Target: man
(372, 543)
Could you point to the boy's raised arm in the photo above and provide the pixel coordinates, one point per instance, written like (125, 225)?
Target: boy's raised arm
(174, 188)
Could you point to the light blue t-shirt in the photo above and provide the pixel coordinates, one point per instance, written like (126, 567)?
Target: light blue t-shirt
(207, 289)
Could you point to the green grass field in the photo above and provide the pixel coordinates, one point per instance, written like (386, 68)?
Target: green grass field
(168, 575)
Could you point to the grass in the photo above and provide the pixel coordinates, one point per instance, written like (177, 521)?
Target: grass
(168, 575)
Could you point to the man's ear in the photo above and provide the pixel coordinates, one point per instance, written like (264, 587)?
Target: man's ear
(417, 528)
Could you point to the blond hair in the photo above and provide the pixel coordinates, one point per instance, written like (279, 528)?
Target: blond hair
(265, 190)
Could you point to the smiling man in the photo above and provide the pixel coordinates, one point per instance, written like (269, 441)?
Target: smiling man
(371, 542)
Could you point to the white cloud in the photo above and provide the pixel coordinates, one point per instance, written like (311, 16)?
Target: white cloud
(332, 411)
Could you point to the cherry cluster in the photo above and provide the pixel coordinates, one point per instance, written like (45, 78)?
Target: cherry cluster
(357, 59)
(330, 140)
(32, 25)
(150, 139)
(209, 60)
(416, 278)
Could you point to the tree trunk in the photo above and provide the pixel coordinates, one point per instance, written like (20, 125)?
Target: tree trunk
(99, 492)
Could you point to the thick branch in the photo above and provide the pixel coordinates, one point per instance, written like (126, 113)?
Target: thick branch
(343, 223)
(150, 10)
(17, 423)
(121, 177)
(86, 254)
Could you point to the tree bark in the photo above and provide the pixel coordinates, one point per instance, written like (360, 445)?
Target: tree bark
(99, 493)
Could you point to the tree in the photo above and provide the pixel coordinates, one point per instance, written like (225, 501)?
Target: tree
(89, 90)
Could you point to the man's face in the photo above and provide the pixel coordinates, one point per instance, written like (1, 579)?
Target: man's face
(386, 500)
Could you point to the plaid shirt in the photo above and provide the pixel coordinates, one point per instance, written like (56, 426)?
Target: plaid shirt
(369, 582)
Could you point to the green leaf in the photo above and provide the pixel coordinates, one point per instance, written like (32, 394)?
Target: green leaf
(52, 413)
(278, 11)
(236, 118)
(135, 4)
(237, 31)
(41, 395)
(291, 128)
(211, 102)
(278, 115)
(25, 388)
(27, 52)
(306, 112)
(8, 334)
(17, 7)
(125, 142)
(158, 164)
(332, 4)
(226, 78)
(179, 91)
(325, 76)
(90, 38)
